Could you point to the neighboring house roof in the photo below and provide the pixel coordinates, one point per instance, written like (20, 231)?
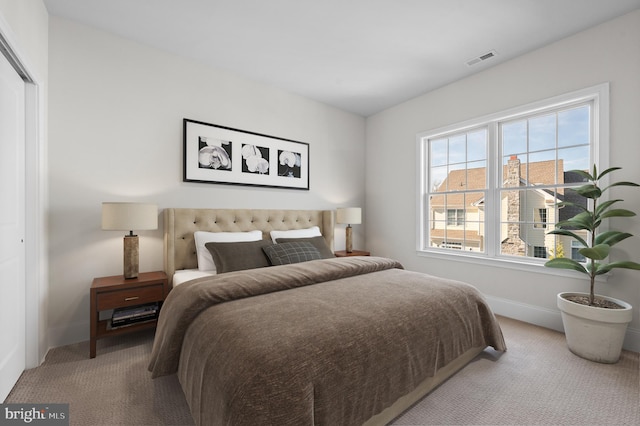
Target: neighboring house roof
(455, 235)
(465, 179)
(539, 173)
(456, 201)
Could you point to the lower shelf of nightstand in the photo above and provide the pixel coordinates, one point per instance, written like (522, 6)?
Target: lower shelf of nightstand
(105, 331)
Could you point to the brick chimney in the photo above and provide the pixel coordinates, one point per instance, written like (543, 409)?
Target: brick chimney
(513, 244)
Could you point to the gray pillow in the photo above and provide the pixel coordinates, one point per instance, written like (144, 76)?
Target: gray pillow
(318, 242)
(237, 256)
(291, 252)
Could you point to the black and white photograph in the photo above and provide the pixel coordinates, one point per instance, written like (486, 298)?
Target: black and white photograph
(289, 164)
(223, 155)
(214, 153)
(255, 159)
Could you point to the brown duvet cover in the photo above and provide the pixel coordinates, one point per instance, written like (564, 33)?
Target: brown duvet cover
(326, 342)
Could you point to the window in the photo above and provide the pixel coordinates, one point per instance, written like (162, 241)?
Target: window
(455, 217)
(575, 254)
(490, 187)
(540, 251)
(540, 218)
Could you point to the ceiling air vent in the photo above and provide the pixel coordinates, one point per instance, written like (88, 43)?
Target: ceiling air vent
(481, 58)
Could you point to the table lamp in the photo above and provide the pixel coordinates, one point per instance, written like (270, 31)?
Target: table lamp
(129, 217)
(350, 216)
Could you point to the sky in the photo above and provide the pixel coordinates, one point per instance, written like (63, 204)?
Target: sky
(564, 133)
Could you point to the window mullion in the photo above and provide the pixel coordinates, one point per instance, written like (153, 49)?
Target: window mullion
(492, 196)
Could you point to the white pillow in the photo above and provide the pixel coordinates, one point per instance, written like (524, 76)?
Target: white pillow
(314, 231)
(205, 261)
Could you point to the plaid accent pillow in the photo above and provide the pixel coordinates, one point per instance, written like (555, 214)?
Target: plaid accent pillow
(317, 242)
(291, 252)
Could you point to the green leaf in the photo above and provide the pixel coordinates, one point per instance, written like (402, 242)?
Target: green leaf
(589, 191)
(569, 203)
(611, 237)
(609, 170)
(584, 174)
(593, 268)
(602, 207)
(564, 263)
(620, 184)
(617, 213)
(580, 221)
(599, 252)
(569, 234)
(621, 265)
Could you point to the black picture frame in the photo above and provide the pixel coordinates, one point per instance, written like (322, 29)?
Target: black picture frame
(224, 155)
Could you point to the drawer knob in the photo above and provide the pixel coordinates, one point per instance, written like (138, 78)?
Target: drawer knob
(128, 299)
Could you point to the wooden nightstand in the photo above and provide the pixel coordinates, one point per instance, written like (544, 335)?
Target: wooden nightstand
(343, 253)
(117, 292)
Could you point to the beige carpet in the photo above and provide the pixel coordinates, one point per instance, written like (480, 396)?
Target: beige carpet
(537, 382)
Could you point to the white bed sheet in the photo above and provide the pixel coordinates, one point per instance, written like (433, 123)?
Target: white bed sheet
(184, 275)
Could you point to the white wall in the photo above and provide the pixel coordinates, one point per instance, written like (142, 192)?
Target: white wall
(116, 110)
(609, 52)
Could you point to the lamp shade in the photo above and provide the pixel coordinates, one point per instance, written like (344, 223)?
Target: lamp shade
(129, 216)
(349, 215)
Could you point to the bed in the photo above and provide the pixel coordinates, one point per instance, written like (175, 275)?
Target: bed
(328, 341)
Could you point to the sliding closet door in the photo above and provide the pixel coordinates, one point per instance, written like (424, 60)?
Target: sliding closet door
(12, 227)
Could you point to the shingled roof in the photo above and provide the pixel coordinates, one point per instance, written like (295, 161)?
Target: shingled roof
(538, 173)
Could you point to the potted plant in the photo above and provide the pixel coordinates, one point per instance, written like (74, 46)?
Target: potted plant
(594, 325)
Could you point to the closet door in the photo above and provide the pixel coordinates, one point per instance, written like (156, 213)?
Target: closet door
(12, 227)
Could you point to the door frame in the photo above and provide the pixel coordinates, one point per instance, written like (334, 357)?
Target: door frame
(36, 191)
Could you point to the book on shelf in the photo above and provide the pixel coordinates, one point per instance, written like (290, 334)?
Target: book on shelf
(135, 311)
(112, 325)
(131, 315)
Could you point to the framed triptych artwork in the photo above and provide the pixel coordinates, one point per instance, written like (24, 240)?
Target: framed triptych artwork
(218, 154)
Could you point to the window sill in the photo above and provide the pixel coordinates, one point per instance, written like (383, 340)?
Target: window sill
(505, 263)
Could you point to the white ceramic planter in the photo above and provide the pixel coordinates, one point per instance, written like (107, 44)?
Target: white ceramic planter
(594, 333)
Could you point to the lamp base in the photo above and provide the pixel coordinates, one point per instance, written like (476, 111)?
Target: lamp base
(131, 256)
(349, 246)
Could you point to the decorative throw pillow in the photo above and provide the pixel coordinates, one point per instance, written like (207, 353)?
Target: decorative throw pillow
(205, 261)
(317, 242)
(291, 252)
(230, 257)
(314, 231)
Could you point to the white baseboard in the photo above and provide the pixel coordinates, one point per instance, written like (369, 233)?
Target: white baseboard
(548, 318)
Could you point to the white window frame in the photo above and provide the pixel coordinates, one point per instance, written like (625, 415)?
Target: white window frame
(599, 152)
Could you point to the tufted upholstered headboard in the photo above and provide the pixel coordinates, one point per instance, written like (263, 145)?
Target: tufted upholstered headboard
(180, 224)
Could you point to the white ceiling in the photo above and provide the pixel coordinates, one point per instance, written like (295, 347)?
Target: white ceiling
(361, 56)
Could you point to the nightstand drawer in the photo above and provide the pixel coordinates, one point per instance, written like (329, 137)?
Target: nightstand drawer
(134, 296)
